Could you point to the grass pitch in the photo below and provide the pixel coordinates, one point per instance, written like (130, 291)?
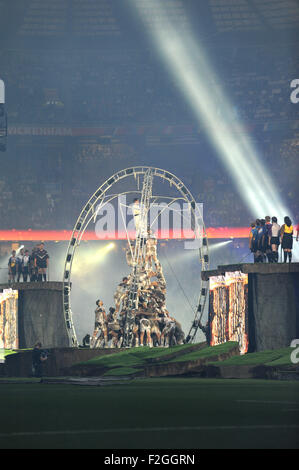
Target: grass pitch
(151, 414)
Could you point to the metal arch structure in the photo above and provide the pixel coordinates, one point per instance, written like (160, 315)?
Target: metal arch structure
(88, 213)
(140, 213)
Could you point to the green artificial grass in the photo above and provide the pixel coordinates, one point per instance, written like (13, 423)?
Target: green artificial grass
(19, 379)
(162, 352)
(207, 352)
(121, 359)
(122, 371)
(6, 352)
(284, 360)
(135, 356)
(271, 358)
(138, 358)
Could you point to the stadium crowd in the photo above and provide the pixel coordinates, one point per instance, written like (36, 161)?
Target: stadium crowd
(62, 189)
(65, 90)
(129, 87)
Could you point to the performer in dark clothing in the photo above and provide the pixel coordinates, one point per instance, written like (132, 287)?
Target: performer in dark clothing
(41, 263)
(267, 242)
(12, 267)
(262, 241)
(206, 330)
(32, 268)
(253, 240)
(38, 358)
(86, 341)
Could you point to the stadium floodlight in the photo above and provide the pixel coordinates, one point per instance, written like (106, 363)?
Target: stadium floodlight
(187, 62)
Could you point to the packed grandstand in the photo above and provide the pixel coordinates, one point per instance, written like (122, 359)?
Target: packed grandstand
(80, 109)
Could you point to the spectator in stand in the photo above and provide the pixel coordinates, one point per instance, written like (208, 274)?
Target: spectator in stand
(286, 233)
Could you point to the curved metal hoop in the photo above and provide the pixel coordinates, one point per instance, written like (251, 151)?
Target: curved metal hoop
(86, 215)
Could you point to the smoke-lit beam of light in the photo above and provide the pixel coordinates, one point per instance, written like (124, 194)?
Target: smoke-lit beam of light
(91, 260)
(198, 83)
(190, 255)
(216, 246)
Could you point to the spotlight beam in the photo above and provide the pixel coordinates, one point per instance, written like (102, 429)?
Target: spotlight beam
(198, 83)
(91, 261)
(216, 246)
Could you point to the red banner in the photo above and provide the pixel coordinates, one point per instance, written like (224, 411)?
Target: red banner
(65, 235)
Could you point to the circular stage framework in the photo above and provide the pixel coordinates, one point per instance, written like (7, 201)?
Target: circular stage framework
(99, 199)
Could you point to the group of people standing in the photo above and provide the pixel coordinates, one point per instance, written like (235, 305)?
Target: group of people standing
(265, 237)
(149, 329)
(24, 266)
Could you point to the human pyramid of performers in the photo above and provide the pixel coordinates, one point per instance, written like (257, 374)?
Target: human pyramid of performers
(153, 325)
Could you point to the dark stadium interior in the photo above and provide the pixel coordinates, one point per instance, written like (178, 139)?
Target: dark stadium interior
(88, 70)
(207, 91)
(87, 95)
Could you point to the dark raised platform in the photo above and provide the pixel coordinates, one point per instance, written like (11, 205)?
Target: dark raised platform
(22, 286)
(40, 314)
(273, 302)
(251, 268)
